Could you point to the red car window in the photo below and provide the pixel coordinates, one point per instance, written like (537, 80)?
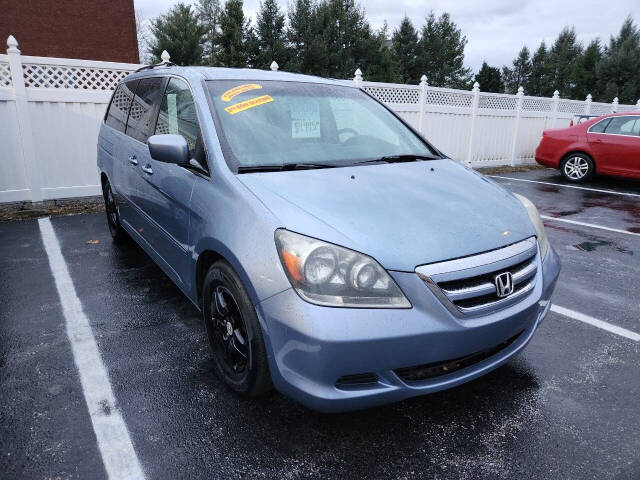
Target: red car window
(624, 126)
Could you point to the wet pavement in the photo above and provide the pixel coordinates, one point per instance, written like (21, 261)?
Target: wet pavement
(567, 407)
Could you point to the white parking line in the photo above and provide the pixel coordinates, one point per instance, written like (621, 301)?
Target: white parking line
(596, 323)
(590, 225)
(119, 457)
(567, 186)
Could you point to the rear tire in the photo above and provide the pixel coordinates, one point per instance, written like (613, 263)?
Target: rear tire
(577, 167)
(113, 216)
(234, 332)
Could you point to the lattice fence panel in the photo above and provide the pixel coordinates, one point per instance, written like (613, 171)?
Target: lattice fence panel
(600, 108)
(459, 98)
(537, 104)
(394, 95)
(627, 108)
(497, 102)
(86, 78)
(571, 106)
(5, 75)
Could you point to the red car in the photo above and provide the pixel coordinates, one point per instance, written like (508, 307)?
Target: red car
(608, 145)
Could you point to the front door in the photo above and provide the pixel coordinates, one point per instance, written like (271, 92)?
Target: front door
(166, 188)
(617, 148)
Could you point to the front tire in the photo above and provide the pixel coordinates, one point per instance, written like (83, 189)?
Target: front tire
(577, 167)
(113, 216)
(234, 332)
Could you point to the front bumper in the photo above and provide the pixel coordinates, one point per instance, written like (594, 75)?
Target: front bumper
(310, 347)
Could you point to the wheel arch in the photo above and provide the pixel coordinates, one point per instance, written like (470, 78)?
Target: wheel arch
(210, 251)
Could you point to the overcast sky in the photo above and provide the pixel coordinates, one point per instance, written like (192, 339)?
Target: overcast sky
(495, 29)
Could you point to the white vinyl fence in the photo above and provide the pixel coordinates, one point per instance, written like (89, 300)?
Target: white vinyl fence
(51, 109)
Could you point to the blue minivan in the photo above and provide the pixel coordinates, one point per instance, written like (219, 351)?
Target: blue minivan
(335, 254)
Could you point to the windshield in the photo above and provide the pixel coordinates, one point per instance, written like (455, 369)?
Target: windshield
(265, 123)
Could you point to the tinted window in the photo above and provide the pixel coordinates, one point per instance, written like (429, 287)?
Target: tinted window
(600, 126)
(178, 116)
(120, 103)
(142, 113)
(624, 126)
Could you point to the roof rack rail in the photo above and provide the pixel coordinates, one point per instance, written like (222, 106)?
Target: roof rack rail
(156, 65)
(164, 63)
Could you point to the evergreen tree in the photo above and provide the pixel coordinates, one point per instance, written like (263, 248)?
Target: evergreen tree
(342, 39)
(562, 56)
(382, 68)
(209, 18)
(405, 51)
(619, 69)
(583, 75)
(233, 35)
(299, 35)
(518, 74)
(179, 33)
(538, 82)
(490, 79)
(441, 53)
(271, 35)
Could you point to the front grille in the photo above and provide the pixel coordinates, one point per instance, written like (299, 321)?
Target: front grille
(467, 285)
(357, 379)
(432, 370)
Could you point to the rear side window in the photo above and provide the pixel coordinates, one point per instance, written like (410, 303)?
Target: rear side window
(624, 126)
(600, 126)
(178, 116)
(144, 107)
(120, 103)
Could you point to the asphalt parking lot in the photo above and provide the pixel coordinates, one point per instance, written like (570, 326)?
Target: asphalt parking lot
(567, 407)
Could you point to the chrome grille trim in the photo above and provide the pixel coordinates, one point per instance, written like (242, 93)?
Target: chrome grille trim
(465, 285)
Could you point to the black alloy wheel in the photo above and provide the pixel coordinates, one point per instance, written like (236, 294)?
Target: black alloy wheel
(234, 332)
(113, 217)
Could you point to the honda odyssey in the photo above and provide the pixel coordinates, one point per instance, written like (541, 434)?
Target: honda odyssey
(335, 254)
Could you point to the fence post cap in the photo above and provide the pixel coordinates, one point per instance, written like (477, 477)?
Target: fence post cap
(274, 66)
(165, 56)
(638, 103)
(521, 90)
(589, 97)
(423, 80)
(556, 94)
(615, 100)
(12, 43)
(476, 87)
(358, 77)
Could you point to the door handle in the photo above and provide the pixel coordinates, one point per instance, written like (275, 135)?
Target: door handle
(597, 140)
(133, 160)
(147, 169)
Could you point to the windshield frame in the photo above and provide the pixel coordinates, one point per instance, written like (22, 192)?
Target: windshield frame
(232, 162)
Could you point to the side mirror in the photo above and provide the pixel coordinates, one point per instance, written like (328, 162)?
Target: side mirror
(169, 149)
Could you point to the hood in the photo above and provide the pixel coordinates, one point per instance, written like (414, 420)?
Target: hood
(403, 214)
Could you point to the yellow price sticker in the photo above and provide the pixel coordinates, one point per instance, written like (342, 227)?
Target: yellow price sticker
(235, 91)
(247, 104)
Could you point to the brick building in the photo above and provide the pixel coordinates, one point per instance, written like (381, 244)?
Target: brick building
(86, 29)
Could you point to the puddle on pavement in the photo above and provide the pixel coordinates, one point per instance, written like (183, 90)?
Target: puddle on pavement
(593, 245)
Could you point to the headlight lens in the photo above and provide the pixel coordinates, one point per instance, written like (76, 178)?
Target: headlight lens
(326, 274)
(537, 223)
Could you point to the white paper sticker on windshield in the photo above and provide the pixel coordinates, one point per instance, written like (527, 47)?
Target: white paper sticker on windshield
(305, 119)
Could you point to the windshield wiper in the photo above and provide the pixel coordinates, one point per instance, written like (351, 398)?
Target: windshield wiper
(407, 157)
(282, 167)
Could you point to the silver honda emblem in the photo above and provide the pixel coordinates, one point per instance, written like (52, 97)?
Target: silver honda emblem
(504, 284)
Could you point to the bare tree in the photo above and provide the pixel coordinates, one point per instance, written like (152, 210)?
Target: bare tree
(143, 36)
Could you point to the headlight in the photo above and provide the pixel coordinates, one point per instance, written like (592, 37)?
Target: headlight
(326, 274)
(537, 223)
